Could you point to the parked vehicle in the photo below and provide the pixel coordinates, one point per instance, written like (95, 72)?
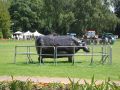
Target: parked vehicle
(90, 37)
(108, 38)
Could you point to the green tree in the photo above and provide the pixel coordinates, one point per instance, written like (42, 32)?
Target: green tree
(117, 9)
(63, 16)
(4, 20)
(58, 15)
(117, 12)
(25, 14)
(95, 15)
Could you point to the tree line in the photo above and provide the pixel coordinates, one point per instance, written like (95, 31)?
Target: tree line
(59, 16)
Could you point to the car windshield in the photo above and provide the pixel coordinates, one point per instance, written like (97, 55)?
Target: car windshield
(108, 34)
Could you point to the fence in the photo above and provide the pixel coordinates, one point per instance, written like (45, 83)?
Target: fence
(105, 51)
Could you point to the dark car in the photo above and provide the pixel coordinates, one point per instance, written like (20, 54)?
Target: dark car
(108, 38)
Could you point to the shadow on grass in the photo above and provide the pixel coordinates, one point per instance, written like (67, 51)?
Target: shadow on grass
(45, 63)
(58, 62)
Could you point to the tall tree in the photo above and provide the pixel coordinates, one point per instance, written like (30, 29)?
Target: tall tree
(25, 14)
(4, 19)
(62, 16)
(95, 15)
(58, 15)
(117, 12)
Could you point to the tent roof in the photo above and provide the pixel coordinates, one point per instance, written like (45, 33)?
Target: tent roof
(28, 33)
(18, 32)
(36, 33)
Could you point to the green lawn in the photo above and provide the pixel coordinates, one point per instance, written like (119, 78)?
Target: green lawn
(81, 69)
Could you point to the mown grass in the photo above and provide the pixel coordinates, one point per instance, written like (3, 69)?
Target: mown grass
(81, 69)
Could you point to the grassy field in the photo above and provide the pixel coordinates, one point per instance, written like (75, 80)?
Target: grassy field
(81, 69)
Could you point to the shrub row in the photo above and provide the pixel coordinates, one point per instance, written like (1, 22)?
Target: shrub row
(29, 85)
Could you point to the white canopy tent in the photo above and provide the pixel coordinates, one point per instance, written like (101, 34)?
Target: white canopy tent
(28, 35)
(18, 32)
(36, 33)
(18, 35)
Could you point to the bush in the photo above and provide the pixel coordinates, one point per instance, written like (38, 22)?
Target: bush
(29, 85)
